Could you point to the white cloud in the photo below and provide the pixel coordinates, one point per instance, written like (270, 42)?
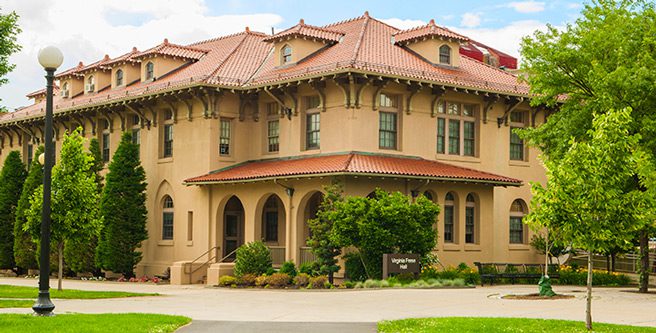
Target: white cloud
(471, 20)
(527, 6)
(402, 23)
(87, 30)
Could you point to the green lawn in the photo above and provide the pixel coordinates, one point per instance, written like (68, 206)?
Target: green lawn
(515, 325)
(124, 323)
(16, 303)
(7, 291)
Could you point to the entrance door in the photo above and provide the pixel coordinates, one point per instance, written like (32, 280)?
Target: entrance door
(231, 234)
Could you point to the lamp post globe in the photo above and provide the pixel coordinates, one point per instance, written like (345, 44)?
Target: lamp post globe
(50, 58)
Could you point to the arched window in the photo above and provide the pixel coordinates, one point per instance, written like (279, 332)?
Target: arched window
(445, 55)
(517, 230)
(167, 218)
(150, 71)
(470, 219)
(90, 84)
(286, 55)
(449, 218)
(119, 77)
(428, 195)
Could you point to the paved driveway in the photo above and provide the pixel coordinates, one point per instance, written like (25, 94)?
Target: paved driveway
(612, 305)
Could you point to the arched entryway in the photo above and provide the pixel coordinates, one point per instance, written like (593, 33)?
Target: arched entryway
(272, 228)
(233, 227)
(308, 211)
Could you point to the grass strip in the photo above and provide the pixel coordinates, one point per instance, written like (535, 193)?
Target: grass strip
(92, 323)
(8, 291)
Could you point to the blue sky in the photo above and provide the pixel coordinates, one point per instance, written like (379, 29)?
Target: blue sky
(86, 30)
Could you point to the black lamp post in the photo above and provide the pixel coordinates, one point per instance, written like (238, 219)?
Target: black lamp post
(50, 58)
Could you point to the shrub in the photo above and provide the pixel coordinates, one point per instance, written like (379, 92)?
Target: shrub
(319, 282)
(573, 275)
(371, 283)
(354, 269)
(301, 280)
(349, 284)
(309, 268)
(260, 281)
(278, 280)
(405, 278)
(227, 281)
(288, 268)
(247, 280)
(462, 271)
(253, 258)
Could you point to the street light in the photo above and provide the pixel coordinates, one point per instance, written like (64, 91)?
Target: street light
(50, 58)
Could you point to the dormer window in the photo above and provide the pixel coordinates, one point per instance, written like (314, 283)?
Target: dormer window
(64, 91)
(119, 77)
(90, 84)
(286, 55)
(445, 55)
(150, 71)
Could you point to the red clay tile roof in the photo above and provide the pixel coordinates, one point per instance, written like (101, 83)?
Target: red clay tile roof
(39, 92)
(429, 30)
(98, 64)
(305, 30)
(245, 60)
(353, 163)
(173, 50)
(128, 57)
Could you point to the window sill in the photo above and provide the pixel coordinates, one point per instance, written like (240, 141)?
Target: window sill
(519, 247)
(451, 247)
(190, 243)
(524, 164)
(165, 243)
(473, 247)
(458, 158)
(163, 160)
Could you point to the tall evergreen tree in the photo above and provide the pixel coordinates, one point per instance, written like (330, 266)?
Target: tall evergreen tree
(123, 206)
(75, 217)
(24, 248)
(326, 250)
(12, 178)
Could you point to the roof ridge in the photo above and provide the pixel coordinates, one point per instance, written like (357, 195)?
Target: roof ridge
(358, 45)
(383, 23)
(345, 21)
(214, 39)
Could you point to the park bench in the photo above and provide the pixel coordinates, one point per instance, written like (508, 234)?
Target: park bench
(493, 271)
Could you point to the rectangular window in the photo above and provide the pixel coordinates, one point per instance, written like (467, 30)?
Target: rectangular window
(105, 147)
(389, 101)
(469, 225)
(312, 139)
(167, 226)
(387, 132)
(517, 117)
(454, 137)
(312, 102)
(168, 140)
(448, 224)
(516, 230)
(273, 109)
(516, 146)
(224, 140)
(136, 136)
(469, 141)
(441, 132)
(273, 135)
(271, 228)
(190, 226)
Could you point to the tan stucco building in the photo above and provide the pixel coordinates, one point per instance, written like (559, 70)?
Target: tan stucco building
(238, 134)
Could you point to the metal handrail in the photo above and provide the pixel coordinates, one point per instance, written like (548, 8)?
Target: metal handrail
(191, 264)
(228, 255)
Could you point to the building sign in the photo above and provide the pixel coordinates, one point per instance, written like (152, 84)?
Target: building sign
(400, 263)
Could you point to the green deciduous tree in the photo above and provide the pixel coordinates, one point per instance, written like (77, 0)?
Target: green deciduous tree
(123, 206)
(386, 223)
(24, 248)
(12, 178)
(590, 196)
(604, 61)
(8, 45)
(75, 216)
(323, 247)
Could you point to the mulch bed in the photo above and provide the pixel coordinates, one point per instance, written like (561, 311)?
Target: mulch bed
(537, 297)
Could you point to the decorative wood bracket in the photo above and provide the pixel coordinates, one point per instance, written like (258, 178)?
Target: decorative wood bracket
(291, 94)
(27, 131)
(190, 105)
(91, 120)
(489, 102)
(346, 88)
(121, 117)
(18, 134)
(39, 128)
(512, 104)
(142, 117)
(376, 99)
(80, 121)
(534, 113)
(7, 134)
(284, 110)
(153, 114)
(437, 93)
(106, 116)
(174, 109)
(360, 91)
(215, 100)
(413, 92)
(320, 87)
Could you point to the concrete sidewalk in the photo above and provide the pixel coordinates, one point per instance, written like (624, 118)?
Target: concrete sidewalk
(231, 306)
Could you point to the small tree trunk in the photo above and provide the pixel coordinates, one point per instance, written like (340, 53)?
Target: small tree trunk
(547, 259)
(612, 261)
(608, 263)
(60, 273)
(644, 262)
(588, 308)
